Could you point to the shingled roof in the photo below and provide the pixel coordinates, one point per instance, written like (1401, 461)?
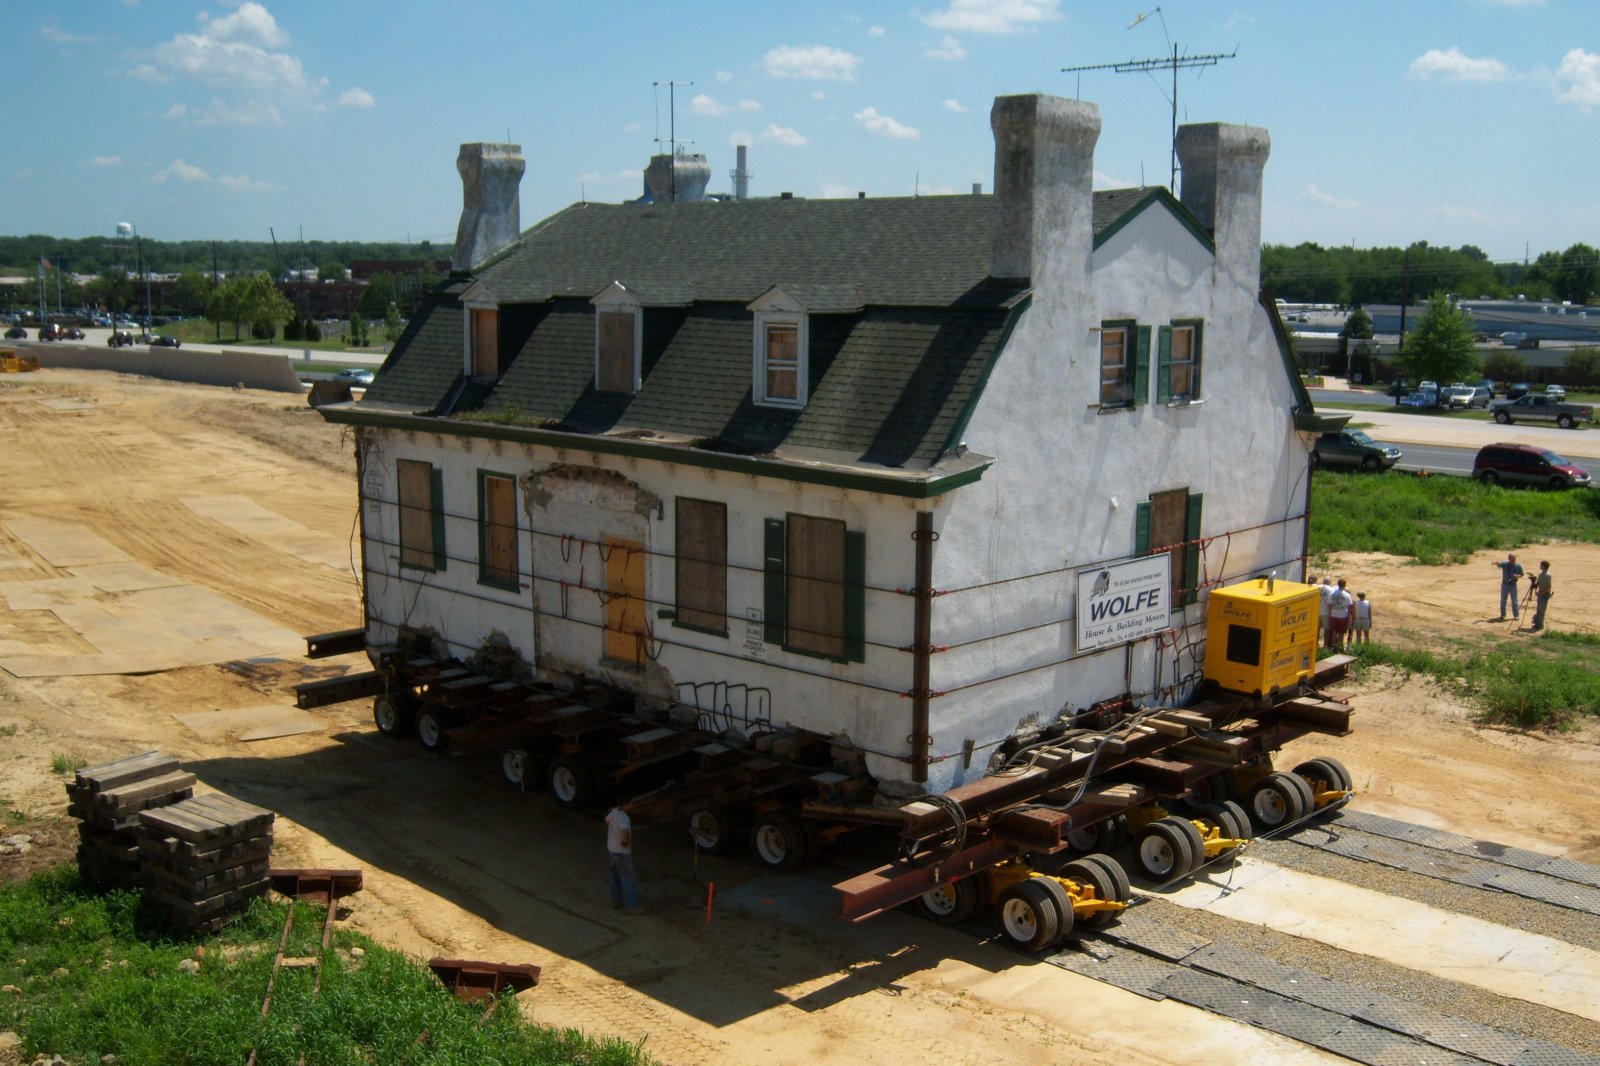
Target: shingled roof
(905, 322)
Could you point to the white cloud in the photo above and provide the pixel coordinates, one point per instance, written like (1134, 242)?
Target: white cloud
(241, 183)
(724, 76)
(222, 113)
(147, 72)
(738, 137)
(993, 16)
(818, 94)
(1469, 214)
(834, 191)
(708, 105)
(1578, 79)
(177, 111)
(1316, 195)
(178, 170)
(817, 61)
(873, 122)
(1452, 64)
(957, 106)
(949, 48)
(52, 32)
(877, 31)
(105, 161)
(251, 23)
(355, 97)
(749, 105)
(1102, 180)
(787, 136)
(633, 127)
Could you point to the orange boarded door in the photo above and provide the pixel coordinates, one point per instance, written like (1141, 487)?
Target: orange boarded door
(624, 600)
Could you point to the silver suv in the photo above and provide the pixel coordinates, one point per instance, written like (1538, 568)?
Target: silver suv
(1466, 397)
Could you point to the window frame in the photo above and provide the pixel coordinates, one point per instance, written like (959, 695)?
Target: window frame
(434, 551)
(636, 314)
(696, 612)
(486, 529)
(776, 591)
(1135, 363)
(1164, 391)
(764, 320)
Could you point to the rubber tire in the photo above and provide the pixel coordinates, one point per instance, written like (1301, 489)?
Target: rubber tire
(1564, 421)
(1117, 873)
(950, 903)
(1104, 885)
(1488, 477)
(1241, 819)
(1558, 483)
(780, 841)
(514, 766)
(572, 783)
(1065, 915)
(1163, 851)
(1197, 843)
(1502, 418)
(713, 830)
(393, 717)
(431, 724)
(1103, 835)
(1026, 916)
(1327, 769)
(1277, 800)
(1369, 463)
(1222, 818)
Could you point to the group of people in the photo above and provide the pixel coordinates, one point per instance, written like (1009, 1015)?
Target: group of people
(1345, 619)
(1540, 588)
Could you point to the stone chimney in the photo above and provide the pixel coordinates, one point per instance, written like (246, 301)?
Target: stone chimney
(491, 211)
(681, 179)
(1043, 186)
(1222, 167)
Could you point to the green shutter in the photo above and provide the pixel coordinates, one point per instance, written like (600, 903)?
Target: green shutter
(776, 605)
(1141, 529)
(437, 506)
(1199, 350)
(1164, 366)
(1141, 367)
(1191, 550)
(855, 596)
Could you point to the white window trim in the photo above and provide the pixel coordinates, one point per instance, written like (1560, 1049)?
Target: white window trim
(617, 300)
(802, 388)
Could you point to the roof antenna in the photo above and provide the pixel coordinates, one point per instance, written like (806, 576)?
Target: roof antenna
(672, 128)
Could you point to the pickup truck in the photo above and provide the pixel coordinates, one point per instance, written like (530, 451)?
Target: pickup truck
(1537, 408)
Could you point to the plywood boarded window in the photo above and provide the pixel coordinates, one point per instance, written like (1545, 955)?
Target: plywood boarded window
(701, 575)
(783, 361)
(485, 343)
(1114, 376)
(626, 630)
(421, 515)
(497, 530)
(1170, 522)
(815, 589)
(615, 355)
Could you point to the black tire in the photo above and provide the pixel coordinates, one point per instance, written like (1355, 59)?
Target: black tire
(1103, 835)
(1240, 819)
(1328, 769)
(1098, 878)
(1197, 842)
(1502, 417)
(714, 830)
(1114, 870)
(1369, 463)
(1558, 483)
(1222, 818)
(1277, 800)
(1163, 851)
(780, 841)
(393, 715)
(431, 725)
(1488, 477)
(1564, 421)
(1027, 916)
(1065, 915)
(572, 783)
(952, 902)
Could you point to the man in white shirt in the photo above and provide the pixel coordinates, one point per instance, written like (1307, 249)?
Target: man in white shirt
(1327, 590)
(1340, 605)
(619, 850)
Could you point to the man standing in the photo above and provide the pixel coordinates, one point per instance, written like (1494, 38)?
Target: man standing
(1542, 591)
(1339, 608)
(619, 849)
(1327, 590)
(1510, 574)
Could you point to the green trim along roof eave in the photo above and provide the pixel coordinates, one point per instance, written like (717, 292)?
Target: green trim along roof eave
(959, 428)
(1173, 205)
(1303, 402)
(909, 487)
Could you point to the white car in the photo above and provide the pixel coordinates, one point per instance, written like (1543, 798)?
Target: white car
(354, 375)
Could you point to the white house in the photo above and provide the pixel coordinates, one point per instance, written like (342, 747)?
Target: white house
(687, 448)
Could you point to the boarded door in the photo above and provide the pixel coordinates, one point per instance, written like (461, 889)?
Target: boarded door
(625, 600)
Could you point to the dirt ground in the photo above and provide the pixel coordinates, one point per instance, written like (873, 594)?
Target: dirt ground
(458, 865)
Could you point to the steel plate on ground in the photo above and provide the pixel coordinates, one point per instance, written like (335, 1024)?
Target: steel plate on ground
(1125, 969)
(1225, 960)
(1154, 937)
(1456, 1034)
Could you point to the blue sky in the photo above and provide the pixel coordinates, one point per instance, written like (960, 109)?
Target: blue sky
(1450, 121)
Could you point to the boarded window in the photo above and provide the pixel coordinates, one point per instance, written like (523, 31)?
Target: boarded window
(486, 343)
(783, 361)
(421, 515)
(1170, 522)
(614, 372)
(626, 631)
(815, 570)
(702, 564)
(497, 516)
(1115, 376)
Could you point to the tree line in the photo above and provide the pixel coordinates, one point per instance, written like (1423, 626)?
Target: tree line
(96, 255)
(1309, 273)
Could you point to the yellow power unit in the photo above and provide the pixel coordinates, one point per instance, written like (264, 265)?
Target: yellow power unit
(1261, 635)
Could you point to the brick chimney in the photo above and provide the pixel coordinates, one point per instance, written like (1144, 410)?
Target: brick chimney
(491, 211)
(1043, 186)
(1222, 167)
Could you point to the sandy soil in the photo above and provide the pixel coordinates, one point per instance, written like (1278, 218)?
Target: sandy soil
(458, 865)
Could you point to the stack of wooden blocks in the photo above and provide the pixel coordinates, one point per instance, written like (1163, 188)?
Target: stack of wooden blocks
(204, 860)
(108, 800)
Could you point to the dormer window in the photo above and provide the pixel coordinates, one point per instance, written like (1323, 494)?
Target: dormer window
(780, 377)
(618, 340)
(483, 342)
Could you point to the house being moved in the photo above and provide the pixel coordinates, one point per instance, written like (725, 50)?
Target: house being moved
(913, 474)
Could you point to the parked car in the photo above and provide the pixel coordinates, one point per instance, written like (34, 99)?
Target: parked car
(165, 341)
(16, 333)
(69, 333)
(355, 375)
(1518, 390)
(1420, 399)
(1524, 464)
(120, 338)
(1555, 392)
(1537, 407)
(144, 337)
(1351, 447)
(50, 332)
(1467, 397)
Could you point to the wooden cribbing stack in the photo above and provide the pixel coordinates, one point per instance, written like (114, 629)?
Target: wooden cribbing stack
(203, 860)
(108, 799)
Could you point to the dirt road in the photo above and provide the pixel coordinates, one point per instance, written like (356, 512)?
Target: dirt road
(245, 497)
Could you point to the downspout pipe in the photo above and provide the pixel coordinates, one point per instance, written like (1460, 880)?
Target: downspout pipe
(921, 645)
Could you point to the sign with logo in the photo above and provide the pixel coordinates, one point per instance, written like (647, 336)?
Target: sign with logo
(1124, 602)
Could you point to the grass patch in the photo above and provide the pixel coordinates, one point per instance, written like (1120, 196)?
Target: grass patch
(1439, 520)
(95, 980)
(64, 764)
(1546, 682)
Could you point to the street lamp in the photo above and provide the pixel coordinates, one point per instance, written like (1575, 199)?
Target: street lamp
(123, 230)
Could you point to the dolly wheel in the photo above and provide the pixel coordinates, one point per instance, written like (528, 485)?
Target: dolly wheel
(1103, 835)
(1027, 916)
(1228, 818)
(780, 840)
(514, 766)
(572, 782)
(392, 717)
(1164, 850)
(712, 830)
(1277, 800)
(1089, 871)
(950, 903)
(1327, 770)
(431, 724)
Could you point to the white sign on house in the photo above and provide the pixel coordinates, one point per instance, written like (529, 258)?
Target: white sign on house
(1124, 601)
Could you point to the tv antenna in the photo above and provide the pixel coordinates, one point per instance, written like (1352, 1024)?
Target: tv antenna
(672, 127)
(1175, 62)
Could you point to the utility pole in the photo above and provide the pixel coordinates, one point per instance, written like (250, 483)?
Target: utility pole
(1405, 292)
(214, 285)
(672, 129)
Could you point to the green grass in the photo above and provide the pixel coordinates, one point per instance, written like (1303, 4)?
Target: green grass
(96, 980)
(1439, 520)
(62, 764)
(1546, 682)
